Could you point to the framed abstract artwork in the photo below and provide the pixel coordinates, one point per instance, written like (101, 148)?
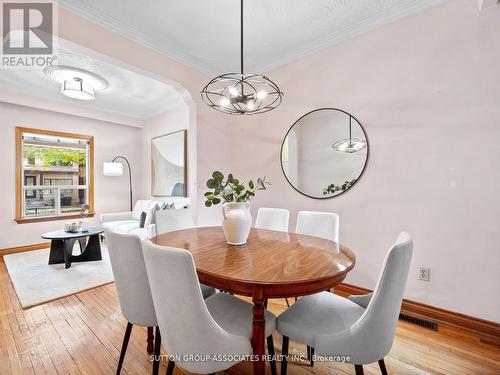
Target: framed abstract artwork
(169, 165)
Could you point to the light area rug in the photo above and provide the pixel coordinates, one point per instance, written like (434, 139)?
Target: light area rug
(36, 282)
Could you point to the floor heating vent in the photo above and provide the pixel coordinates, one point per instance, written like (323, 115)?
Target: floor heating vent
(419, 322)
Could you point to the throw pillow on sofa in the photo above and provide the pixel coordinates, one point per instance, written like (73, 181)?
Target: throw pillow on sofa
(142, 205)
(142, 219)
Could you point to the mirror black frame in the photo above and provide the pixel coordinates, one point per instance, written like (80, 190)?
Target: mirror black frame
(362, 171)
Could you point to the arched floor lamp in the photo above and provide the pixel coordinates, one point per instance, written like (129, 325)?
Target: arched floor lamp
(116, 169)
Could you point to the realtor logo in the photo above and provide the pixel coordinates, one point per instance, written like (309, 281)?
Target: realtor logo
(27, 31)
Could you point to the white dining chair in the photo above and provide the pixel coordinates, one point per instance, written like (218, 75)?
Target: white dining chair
(272, 219)
(173, 219)
(360, 328)
(178, 219)
(220, 326)
(318, 224)
(132, 285)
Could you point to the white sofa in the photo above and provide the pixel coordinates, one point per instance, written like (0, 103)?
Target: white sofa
(129, 222)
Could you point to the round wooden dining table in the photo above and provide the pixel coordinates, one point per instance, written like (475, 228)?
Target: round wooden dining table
(270, 265)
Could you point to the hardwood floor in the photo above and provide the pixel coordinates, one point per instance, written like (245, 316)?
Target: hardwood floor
(82, 334)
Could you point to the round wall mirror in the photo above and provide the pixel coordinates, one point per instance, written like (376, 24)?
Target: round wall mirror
(324, 153)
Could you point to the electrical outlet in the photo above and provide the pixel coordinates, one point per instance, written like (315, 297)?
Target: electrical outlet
(424, 274)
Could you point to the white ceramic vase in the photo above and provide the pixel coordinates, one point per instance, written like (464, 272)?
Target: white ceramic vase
(237, 221)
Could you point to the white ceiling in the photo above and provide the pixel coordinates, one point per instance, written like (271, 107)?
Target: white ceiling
(129, 94)
(205, 33)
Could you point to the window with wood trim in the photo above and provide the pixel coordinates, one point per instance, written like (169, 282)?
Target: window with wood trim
(54, 174)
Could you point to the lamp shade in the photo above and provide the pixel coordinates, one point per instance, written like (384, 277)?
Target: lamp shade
(77, 89)
(350, 145)
(112, 169)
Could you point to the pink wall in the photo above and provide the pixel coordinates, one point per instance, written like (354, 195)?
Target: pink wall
(51, 105)
(111, 193)
(426, 89)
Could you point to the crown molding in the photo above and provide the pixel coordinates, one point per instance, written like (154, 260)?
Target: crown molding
(350, 31)
(83, 10)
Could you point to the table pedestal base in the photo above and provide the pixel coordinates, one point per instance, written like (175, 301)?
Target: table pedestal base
(258, 333)
(61, 250)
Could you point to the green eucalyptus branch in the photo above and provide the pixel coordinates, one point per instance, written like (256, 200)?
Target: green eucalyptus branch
(231, 189)
(332, 188)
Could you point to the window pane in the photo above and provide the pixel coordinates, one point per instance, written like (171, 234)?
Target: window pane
(30, 181)
(72, 200)
(39, 202)
(54, 171)
(54, 161)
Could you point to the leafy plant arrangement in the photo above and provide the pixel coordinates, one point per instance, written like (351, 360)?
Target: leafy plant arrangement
(231, 189)
(332, 188)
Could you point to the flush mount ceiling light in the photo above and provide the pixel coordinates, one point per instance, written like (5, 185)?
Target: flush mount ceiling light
(75, 88)
(76, 83)
(350, 145)
(240, 93)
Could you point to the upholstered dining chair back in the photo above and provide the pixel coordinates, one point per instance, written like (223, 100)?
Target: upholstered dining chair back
(186, 325)
(173, 219)
(272, 219)
(371, 337)
(132, 284)
(318, 224)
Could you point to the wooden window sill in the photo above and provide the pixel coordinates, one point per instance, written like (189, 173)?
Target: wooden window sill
(25, 220)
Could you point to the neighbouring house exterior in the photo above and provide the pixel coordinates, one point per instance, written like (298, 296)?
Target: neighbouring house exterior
(39, 201)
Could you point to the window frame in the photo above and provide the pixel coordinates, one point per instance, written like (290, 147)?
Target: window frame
(19, 174)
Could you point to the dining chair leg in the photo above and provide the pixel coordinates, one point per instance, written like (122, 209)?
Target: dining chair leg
(128, 330)
(287, 303)
(310, 354)
(150, 340)
(381, 364)
(270, 350)
(156, 358)
(359, 369)
(170, 367)
(265, 303)
(284, 354)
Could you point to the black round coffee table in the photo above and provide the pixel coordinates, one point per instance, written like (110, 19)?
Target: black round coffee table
(61, 247)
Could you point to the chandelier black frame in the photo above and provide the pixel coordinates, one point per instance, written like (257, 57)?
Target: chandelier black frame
(240, 93)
